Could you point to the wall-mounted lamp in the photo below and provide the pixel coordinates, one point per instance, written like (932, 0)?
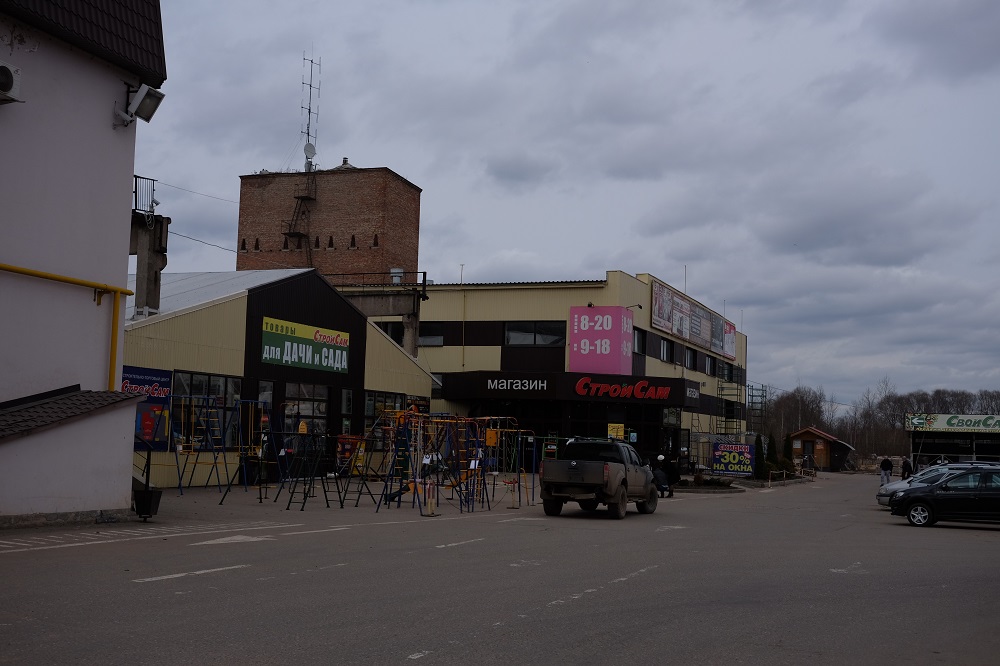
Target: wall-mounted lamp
(590, 304)
(637, 305)
(142, 104)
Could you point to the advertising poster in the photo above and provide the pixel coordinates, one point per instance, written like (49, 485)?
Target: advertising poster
(662, 307)
(729, 340)
(718, 328)
(732, 459)
(304, 346)
(682, 317)
(152, 415)
(701, 326)
(600, 339)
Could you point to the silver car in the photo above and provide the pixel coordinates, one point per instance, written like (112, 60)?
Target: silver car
(924, 477)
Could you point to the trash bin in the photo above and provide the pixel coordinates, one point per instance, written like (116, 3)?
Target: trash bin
(146, 502)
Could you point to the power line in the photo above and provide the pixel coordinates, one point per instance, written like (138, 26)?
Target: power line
(201, 194)
(228, 249)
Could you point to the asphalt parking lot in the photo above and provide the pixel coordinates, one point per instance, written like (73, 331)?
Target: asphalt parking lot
(811, 572)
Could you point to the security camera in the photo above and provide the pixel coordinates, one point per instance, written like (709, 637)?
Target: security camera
(154, 203)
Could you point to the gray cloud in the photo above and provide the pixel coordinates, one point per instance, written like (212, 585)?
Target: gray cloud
(821, 171)
(950, 40)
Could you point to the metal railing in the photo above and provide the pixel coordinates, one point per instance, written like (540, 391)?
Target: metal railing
(143, 194)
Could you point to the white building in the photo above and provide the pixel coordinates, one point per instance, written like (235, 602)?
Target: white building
(70, 74)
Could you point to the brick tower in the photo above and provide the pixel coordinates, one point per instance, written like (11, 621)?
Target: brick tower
(340, 220)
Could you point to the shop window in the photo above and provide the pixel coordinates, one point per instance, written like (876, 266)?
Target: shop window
(535, 333)
(305, 408)
(201, 409)
(346, 401)
(437, 384)
(265, 393)
(431, 334)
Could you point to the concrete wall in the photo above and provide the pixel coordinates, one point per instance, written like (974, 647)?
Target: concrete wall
(82, 466)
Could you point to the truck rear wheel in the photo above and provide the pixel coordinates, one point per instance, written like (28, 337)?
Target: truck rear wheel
(649, 506)
(618, 508)
(552, 507)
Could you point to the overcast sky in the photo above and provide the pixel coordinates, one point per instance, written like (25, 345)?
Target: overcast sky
(824, 172)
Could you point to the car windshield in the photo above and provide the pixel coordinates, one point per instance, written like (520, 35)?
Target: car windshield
(933, 477)
(919, 476)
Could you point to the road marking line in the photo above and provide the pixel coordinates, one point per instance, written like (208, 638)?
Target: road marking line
(153, 536)
(332, 529)
(238, 538)
(460, 543)
(189, 573)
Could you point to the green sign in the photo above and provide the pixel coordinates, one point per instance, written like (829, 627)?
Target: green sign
(302, 346)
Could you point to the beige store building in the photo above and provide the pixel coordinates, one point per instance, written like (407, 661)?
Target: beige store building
(281, 338)
(627, 355)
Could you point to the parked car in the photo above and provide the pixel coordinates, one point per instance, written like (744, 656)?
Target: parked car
(925, 477)
(969, 494)
(595, 471)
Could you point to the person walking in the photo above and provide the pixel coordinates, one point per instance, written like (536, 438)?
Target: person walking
(886, 467)
(907, 470)
(673, 475)
(660, 476)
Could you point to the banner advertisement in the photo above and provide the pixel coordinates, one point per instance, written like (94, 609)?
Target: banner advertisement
(674, 313)
(303, 346)
(953, 422)
(662, 307)
(152, 415)
(600, 339)
(732, 459)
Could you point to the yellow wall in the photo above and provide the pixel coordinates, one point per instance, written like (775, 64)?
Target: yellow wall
(389, 368)
(209, 338)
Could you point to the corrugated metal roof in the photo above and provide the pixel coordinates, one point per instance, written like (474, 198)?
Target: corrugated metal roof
(184, 290)
(515, 284)
(127, 34)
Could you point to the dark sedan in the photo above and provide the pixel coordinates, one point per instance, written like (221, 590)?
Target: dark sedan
(972, 494)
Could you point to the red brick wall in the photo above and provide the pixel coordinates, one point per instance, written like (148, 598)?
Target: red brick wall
(361, 203)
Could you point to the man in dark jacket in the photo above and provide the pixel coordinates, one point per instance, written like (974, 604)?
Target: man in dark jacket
(907, 469)
(886, 467)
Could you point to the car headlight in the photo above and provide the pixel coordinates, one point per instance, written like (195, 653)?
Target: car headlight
(897, 494)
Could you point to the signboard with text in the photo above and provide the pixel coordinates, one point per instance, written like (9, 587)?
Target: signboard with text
(152, 414)
(953, 422)
(600, 339)
(303, 346)
(732, 459)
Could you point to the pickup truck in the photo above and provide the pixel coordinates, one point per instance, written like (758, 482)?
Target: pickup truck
(594, 471)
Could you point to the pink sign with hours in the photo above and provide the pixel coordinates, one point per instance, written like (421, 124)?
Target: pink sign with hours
(600, 339)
